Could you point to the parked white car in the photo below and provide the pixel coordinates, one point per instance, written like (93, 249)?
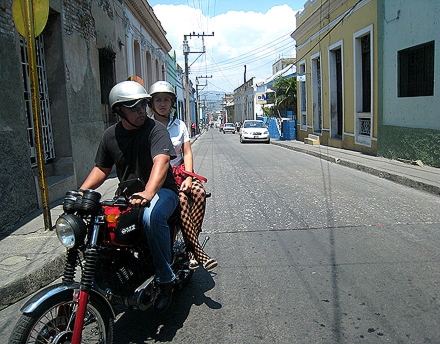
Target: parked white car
(254, 130)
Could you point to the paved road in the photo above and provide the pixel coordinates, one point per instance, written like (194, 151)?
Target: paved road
(309, 252)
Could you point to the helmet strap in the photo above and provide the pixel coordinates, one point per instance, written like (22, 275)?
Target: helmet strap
(165, 116)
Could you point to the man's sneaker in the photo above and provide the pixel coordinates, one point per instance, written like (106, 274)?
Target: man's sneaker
(163, 300)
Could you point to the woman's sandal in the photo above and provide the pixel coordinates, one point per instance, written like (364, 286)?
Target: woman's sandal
(210, 264)
(193, 264)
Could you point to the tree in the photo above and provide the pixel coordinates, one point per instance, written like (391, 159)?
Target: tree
(285, 98)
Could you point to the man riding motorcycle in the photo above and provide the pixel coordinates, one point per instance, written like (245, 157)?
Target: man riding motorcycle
(140, 147)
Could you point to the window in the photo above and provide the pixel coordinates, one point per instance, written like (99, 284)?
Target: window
(416, 71)
(316, 94)
(45, 117)
(366, 74)
(363, 85)
(303, 95)
(336, 91)
(106, 72)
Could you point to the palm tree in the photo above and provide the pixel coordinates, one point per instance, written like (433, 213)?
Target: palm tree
(285, 98)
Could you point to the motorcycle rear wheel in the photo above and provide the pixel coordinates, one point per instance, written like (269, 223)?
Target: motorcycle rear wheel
(54, 321)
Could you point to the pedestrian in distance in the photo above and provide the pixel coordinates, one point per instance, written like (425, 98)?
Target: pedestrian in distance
(140, 147)
(193, 129)
(163, 107)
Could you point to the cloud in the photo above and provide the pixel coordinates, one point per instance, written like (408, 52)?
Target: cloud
(240, 38)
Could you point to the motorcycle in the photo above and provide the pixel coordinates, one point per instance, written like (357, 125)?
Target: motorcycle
(106, 240)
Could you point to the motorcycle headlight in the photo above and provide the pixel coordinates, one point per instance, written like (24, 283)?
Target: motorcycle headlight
(71, 230)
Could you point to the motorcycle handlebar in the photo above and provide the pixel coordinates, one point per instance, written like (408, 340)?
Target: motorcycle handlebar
(117, 201)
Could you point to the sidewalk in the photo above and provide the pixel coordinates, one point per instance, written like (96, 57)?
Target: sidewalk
(31, 257)
(423, 178)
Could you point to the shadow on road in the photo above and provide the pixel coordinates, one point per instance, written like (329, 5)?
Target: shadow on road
(139, 327)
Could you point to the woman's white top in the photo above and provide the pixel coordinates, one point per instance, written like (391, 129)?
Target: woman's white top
(179, 135)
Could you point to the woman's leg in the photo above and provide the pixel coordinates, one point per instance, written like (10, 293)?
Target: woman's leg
(198, 195)
(191, 219)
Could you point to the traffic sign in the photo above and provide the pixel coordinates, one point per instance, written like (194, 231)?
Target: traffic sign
(40, 15)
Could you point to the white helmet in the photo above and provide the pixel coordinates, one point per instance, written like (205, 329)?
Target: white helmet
(162, 87)
(127, 91)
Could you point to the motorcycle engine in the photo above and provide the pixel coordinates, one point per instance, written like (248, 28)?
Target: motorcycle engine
(122, 271)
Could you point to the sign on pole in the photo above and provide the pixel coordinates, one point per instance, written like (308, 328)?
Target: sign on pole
(265, 97)
(30, 18)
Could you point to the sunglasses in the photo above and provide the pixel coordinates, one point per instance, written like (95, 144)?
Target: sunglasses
(136, 106)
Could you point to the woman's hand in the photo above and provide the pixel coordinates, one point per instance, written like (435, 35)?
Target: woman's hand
(186, 185)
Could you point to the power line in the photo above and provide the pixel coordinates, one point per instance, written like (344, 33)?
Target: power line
(248, 60)
(258, 50)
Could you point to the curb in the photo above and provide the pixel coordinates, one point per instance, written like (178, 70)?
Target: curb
(33, 281)
(400, 179)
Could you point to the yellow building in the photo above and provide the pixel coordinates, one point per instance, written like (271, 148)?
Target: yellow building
(337, 73)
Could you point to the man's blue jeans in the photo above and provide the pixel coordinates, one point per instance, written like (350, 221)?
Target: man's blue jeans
(155, 224)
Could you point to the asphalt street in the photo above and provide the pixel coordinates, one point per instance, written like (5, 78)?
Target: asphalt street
(309, 251)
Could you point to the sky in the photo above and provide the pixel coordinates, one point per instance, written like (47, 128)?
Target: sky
(252, 33)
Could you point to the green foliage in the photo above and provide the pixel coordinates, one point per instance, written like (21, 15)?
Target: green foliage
(267, 112)
(285, 98)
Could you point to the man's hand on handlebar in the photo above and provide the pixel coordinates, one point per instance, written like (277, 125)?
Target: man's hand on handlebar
(138, 200)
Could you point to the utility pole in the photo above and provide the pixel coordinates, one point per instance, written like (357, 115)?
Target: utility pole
(244, 75)
(186, 52)
(245, 95)
(197, 92)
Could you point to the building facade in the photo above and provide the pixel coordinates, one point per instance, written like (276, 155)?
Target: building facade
(244, 101)
(409, 74)
(85, 48)
(175, 78)
(337, 73)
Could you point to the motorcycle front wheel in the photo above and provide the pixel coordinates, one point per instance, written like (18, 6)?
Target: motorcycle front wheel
(53, 323)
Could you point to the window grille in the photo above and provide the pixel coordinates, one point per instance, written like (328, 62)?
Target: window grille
(106, 72)
(364, 126)
(45, 118)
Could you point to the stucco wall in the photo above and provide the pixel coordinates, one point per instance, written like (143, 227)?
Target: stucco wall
(18, 192)
(84, 100)
(413, 27)
(409, 127)
(410, 144)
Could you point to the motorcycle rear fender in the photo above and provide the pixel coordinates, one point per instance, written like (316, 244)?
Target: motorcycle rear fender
(45, 295)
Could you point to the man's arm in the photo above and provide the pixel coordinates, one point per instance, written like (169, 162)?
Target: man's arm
(158, 175)
(96, 177)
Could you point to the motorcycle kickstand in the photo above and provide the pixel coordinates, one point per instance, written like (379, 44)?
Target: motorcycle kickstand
(204, 242)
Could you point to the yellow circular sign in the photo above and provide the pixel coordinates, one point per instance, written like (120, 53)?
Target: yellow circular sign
(41, 13)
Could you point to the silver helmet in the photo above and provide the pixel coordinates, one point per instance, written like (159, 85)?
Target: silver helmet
(127, 91)
(162, 87)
